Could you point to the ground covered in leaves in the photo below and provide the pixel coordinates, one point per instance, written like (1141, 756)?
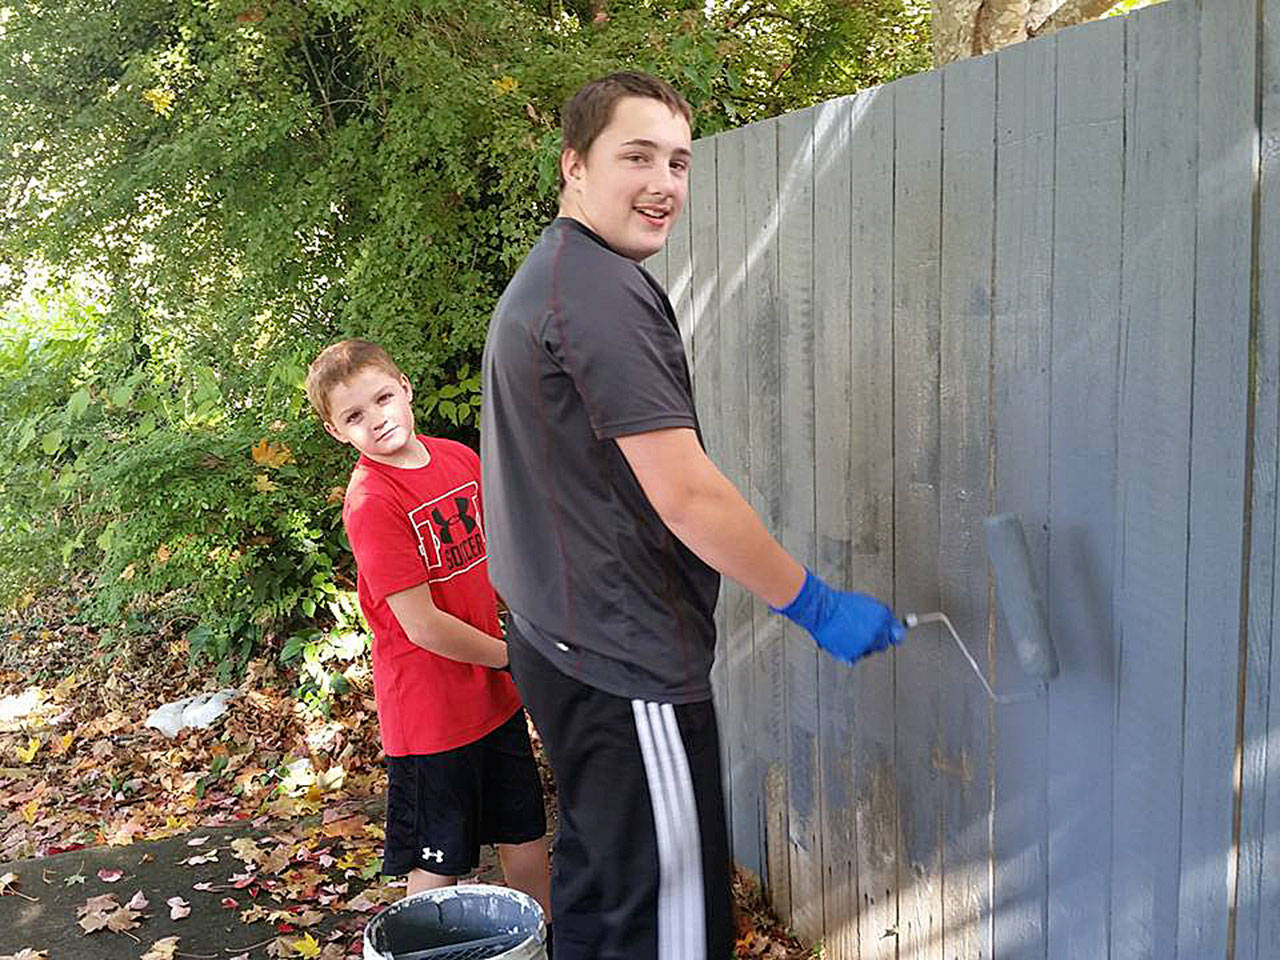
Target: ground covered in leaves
(302, 792)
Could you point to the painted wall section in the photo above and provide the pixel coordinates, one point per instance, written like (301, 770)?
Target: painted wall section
(1043, 281)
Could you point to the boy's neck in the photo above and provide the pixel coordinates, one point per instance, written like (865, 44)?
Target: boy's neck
(412, 456)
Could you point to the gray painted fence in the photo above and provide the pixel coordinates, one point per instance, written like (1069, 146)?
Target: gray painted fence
(1043, 281)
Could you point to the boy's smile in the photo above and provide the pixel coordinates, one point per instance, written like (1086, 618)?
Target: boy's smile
(631, 185)
(372, 412)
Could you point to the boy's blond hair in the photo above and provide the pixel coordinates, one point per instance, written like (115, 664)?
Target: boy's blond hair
(338, 363)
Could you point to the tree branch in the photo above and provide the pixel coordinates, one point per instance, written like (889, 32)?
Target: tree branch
(1071, 13)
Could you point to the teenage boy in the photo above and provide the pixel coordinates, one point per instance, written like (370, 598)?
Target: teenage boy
(610, 528)
(460, 768)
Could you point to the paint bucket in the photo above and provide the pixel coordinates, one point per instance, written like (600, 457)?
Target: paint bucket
(469, 921)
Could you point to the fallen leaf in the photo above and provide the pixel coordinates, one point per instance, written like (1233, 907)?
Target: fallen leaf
(122, 920)
(27, 754)
(30, 810)
(246, 849)
(9, 885)
(352, 826)
(229, 903)
(109, 876)
(197, 841)
(308, 947)
(162, 949)
(263, 484)
(138, 902)
(268, 454)
(26, 953)
(178, 908)
(74, 878)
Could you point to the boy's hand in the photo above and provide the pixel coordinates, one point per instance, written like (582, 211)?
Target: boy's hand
(845, 624)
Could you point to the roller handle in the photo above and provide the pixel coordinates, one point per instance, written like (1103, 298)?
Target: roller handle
(913, 620)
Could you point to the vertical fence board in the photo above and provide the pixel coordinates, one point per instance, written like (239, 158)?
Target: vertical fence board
(705, 361)
(735, 460)
(871, 683)
(961, 760)
(680, 278)
(657, 265)
(765, 490)
(1257, 926)
(833, 491)
(1025, 100)
(797, 453)
(1085, 347)
(917, 163)
(1224, 243)
(1154, 451)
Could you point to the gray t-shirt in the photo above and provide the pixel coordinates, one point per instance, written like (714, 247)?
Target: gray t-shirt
(583, 348)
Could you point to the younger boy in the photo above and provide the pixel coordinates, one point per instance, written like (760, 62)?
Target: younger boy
(460, 767)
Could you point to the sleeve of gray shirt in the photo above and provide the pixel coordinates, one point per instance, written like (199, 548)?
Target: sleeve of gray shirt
(617, 339)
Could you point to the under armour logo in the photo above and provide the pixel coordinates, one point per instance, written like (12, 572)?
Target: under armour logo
(428, 853)
(443, 523)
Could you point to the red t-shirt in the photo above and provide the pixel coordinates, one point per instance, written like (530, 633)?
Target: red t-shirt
(409, 527)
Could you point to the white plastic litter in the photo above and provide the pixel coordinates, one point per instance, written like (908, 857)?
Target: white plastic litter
(198, 711)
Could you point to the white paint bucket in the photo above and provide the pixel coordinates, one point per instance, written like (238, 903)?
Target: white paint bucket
(469, 921)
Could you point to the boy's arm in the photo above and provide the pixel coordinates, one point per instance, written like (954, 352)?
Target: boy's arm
(709, 516)
(431, 628)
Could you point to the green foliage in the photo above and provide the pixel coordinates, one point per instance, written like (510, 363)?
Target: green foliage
(322, 657)
(198, 195)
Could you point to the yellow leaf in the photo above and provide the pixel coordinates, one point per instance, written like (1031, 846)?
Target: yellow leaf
(308, 946)
(65, 741)
(506, 84)
(160, 99)
(163, 554)
(262, 483)
(127, 572)
(27, 754)
(62, 689)
(30, 810)
(269, 454)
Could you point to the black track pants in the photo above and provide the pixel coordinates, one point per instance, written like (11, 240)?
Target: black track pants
(641, 863)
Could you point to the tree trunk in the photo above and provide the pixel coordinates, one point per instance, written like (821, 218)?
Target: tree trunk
(968, 28)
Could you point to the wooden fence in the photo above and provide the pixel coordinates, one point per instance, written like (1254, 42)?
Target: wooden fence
(1044, 281)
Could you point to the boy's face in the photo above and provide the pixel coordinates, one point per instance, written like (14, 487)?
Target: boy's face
(371, 412)
(632, 183)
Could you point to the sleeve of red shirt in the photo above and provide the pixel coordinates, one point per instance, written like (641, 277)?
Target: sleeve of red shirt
(385, 545)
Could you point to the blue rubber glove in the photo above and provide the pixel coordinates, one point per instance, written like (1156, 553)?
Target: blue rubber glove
(847, 625)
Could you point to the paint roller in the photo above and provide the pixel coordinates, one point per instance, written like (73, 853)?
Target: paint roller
(1021, 602)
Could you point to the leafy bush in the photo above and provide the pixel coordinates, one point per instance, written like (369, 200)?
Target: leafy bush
(235, 185)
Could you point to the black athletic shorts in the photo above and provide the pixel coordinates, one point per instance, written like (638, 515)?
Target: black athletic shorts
(442, 806)
(641, 862)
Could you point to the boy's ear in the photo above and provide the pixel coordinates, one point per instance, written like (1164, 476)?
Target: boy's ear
(408, 387)
(330, 429)
(570, 165)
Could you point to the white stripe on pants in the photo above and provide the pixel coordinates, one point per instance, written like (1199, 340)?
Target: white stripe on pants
(681, 906)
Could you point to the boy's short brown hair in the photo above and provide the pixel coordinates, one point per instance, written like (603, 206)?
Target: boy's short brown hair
(338, 363)
(589, 110)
